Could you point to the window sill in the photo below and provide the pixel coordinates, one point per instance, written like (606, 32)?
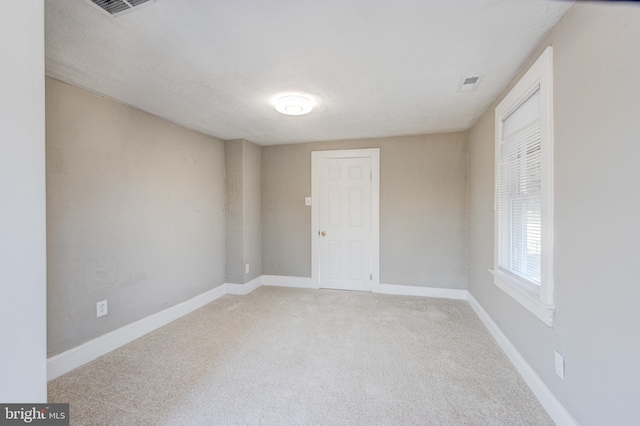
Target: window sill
(525, 296)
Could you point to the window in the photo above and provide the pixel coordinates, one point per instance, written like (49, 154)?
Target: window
(524, 190)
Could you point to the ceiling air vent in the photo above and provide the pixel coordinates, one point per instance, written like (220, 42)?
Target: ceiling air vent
(119, 7)
(469, 83)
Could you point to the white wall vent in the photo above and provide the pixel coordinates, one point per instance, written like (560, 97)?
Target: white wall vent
(469, 83)
(119, 7)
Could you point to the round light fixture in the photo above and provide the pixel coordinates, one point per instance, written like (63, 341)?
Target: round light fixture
(294, 105)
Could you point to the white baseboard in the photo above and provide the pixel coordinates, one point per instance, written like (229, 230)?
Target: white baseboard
(282, 281)
(75, 357)
(244, 289)
(554, 407)
(80, 355)
(304, 282)
(406, 290)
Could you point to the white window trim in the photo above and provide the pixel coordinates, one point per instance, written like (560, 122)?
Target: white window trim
(539, 302)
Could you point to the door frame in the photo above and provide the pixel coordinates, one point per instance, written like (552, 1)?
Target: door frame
(374, 155)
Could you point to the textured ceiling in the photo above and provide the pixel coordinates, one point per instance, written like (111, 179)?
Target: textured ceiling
(377, 67)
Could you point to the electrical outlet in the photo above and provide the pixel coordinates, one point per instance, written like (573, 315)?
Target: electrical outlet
(246, 268)
(559, 365)
(101, 308)
(307, 201)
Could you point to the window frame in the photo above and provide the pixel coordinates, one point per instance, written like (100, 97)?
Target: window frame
(537, 300)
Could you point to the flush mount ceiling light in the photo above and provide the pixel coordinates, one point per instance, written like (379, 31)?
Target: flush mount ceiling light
(294, 104)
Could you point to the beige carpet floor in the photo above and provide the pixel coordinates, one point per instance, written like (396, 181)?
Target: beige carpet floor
(283, 356)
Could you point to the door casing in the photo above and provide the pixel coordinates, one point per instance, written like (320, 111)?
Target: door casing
(374, 155)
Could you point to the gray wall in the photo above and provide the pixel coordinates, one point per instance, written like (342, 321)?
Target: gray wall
(234, 213)
(252, 229)
(23, 290)
(422, 208)
(597, 226)
(243, 214)
(135, 214)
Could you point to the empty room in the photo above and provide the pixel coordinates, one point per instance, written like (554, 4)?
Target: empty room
(329, 212)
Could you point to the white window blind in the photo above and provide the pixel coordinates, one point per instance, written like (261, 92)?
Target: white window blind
(519, 192)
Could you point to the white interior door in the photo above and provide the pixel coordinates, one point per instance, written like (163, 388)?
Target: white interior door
(345, 231)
